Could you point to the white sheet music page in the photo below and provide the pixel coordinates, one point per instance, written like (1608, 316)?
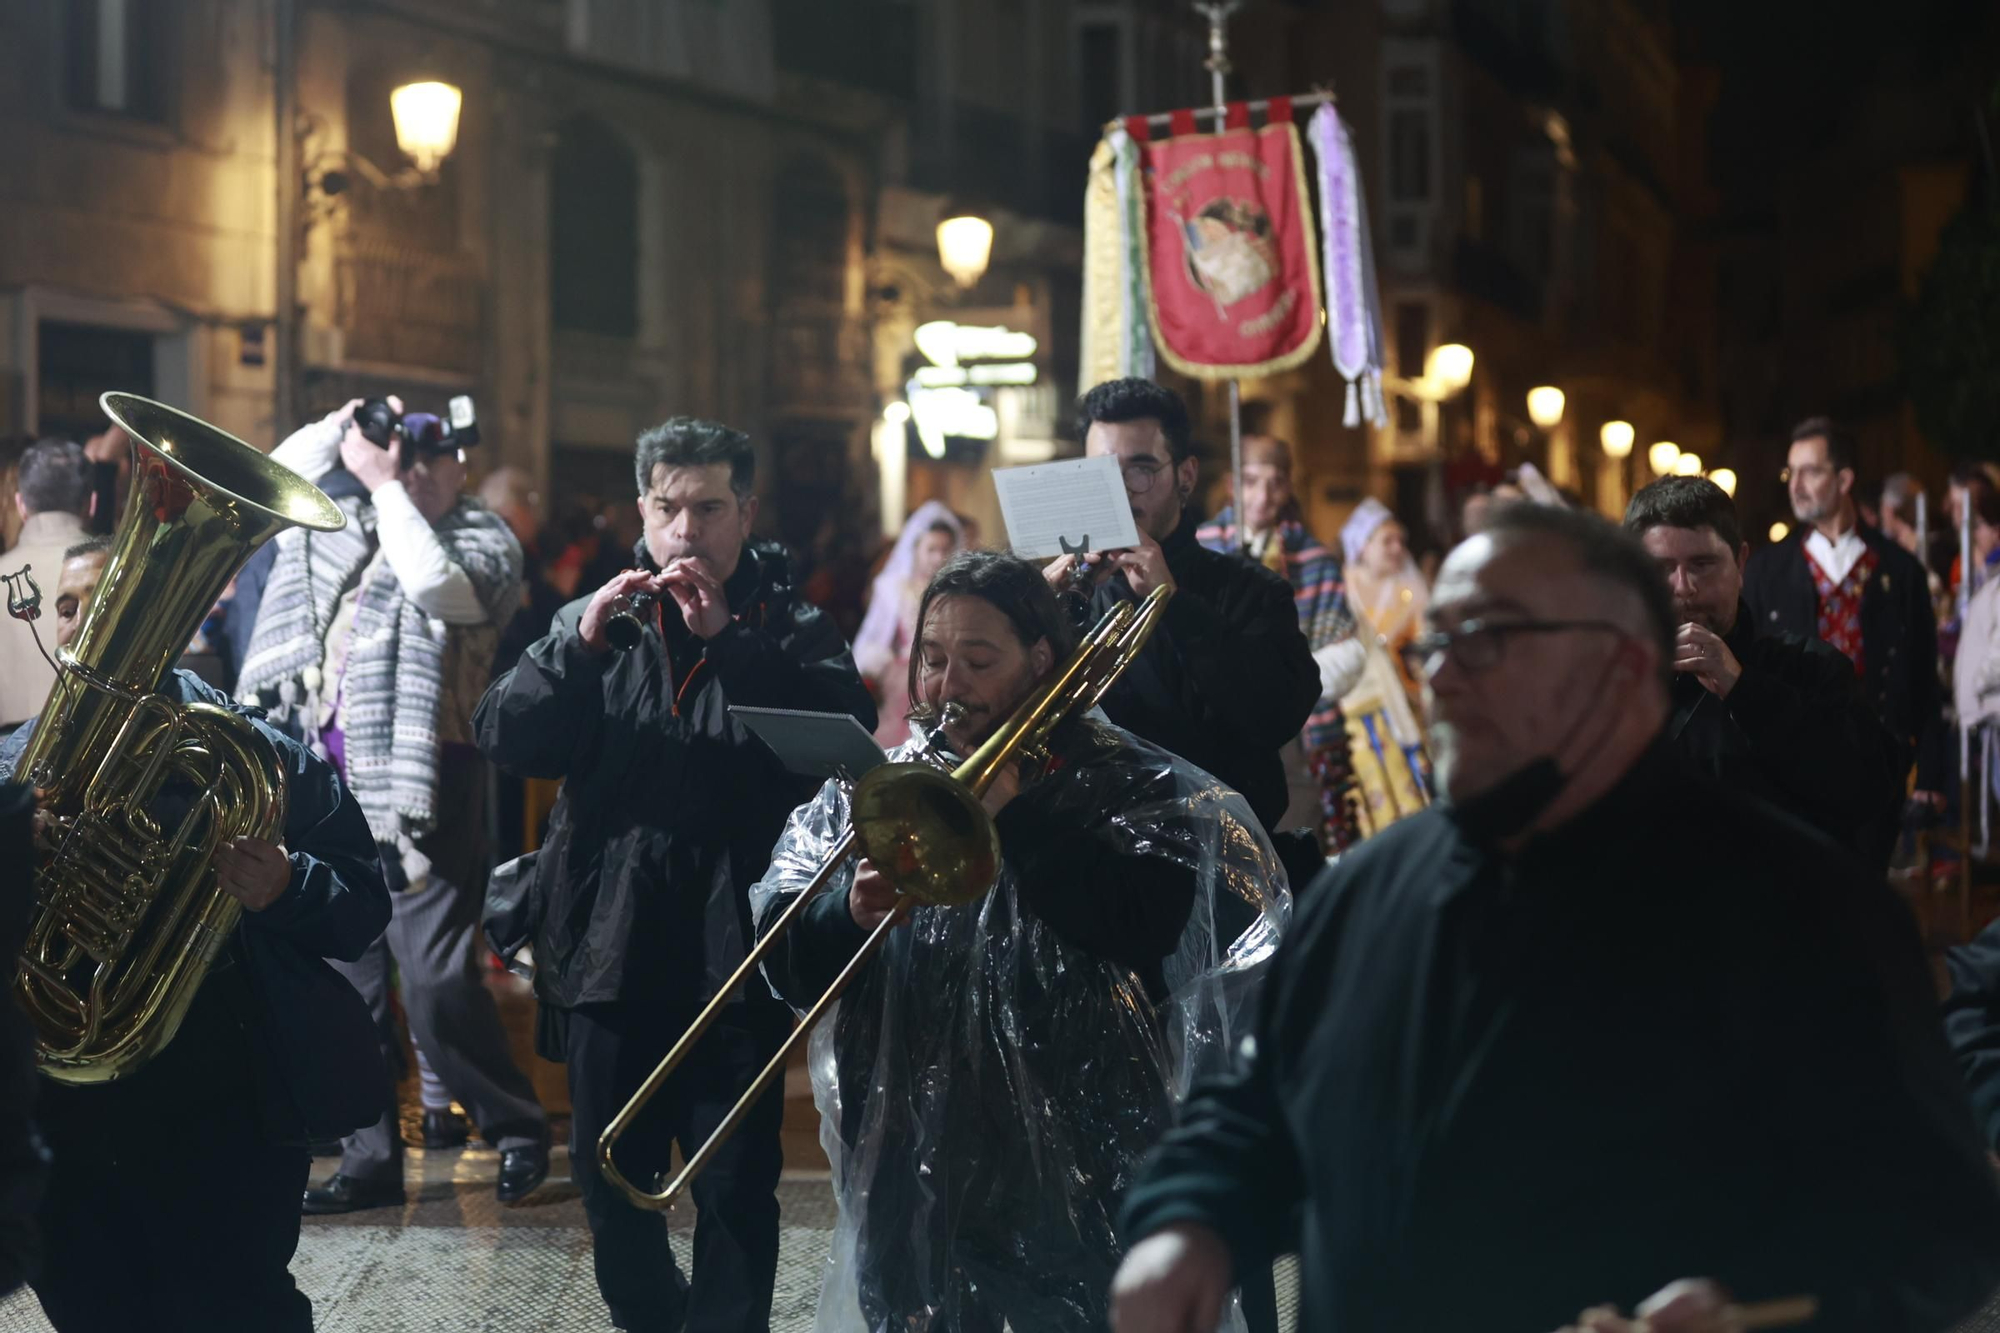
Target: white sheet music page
(1046, 504)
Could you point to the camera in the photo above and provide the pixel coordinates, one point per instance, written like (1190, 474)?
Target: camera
(413, 434)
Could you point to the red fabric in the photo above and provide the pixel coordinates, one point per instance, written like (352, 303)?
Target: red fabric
(1278, 111)
(1229, 237)
(1840, 604)
(1236, 116)
(1180, 123)
(1140, 128)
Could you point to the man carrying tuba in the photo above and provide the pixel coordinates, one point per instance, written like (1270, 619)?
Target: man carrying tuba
(993, 1076)
(184, 1176)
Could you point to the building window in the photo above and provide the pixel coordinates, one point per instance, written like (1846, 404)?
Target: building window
(75, 363)
(809, 259)
(1413, 338)
(1409, 156)
(593, 231)
(1099, 68)
(115, 52)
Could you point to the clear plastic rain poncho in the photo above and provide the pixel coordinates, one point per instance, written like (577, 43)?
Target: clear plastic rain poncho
(987, 1089)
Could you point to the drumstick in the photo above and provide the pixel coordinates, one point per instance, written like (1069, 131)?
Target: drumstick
(1783, 1313)
(1787, 1312)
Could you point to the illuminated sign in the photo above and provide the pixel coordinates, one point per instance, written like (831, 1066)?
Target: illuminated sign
(945, 396)
(942, 412)
(944, 343)
(952, 377)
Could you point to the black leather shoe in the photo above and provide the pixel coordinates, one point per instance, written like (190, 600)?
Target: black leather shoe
(345, 1194)
(522, 1170)
(443, 1129)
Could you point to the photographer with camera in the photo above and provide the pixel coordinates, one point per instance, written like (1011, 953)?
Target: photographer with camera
(373, 644)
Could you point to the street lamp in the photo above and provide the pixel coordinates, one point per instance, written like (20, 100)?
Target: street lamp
(1663, 456)
(1726, 479)
(426, 117)
(1545, 406)
(1688, 465)
(1616, 437)
(965, 245)
(1450, 367)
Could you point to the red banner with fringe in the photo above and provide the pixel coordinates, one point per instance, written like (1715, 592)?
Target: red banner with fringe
(1233, 286)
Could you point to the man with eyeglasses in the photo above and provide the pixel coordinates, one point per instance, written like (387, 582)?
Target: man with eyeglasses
(1227, 679)
(1587, 1026)
(1839, 580)
(1776, 716)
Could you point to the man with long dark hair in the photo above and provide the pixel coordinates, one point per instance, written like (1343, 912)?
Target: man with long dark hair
(994, 1075)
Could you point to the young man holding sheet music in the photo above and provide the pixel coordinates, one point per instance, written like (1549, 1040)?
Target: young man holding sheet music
(668, 814)
(1228, 679)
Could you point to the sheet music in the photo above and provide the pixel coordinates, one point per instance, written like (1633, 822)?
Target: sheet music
(1045, 504)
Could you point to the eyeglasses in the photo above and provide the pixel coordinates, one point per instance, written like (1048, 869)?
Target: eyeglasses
(1477, 645)
(1140, 476)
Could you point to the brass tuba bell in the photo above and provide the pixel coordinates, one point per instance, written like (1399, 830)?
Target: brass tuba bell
(128, 915)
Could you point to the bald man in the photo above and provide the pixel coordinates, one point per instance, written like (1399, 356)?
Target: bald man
(1587, 1027)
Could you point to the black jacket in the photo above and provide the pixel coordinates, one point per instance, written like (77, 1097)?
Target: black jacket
(1796, 732)
(1972, 1024)
(670, 807)
(1898, 634)
(321, 1072)
(1507, 1088)
(1227, 678)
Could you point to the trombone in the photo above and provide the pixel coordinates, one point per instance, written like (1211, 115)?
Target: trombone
(928, 835)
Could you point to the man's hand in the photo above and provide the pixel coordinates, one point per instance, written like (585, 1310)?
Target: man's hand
(704, 605)
(373, 468)
(1708, 658)
(1145, 566)
(607, 602)
(871, 899)
(1173, 1281)
(1006, 785)
(1688, 1306)
(252, 871)
(1096, 568)
(113, 446)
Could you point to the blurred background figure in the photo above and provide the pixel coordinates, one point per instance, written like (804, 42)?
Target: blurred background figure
(11, 449)
(1318, 770)
(1384, 586)
(882, 648)
(52, 501)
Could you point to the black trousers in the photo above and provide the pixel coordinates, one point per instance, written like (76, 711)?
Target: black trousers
(610, 1049)
(169, 1207)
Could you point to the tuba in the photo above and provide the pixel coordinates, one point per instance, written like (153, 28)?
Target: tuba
(128, 914)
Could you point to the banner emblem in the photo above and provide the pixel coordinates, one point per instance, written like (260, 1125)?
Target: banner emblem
(1234, 286)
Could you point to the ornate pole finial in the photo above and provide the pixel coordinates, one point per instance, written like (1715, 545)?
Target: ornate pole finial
(1218, 14)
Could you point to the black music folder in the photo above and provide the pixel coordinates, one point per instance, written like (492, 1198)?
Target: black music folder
(818, 745)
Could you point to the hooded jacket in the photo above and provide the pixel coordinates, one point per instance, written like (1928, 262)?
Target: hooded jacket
(669, 806)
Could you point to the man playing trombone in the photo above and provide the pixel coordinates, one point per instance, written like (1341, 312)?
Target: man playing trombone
(995, 1074)
(667, 814)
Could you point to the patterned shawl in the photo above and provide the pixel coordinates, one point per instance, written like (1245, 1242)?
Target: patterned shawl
(393, 678)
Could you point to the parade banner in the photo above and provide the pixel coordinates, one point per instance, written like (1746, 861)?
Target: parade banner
(1234, 282)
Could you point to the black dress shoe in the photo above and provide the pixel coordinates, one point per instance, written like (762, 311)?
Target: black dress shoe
(443, 1129)
(345, 1194)
(522, 1170)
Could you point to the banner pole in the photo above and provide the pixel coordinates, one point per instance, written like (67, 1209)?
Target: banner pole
(1217, 12)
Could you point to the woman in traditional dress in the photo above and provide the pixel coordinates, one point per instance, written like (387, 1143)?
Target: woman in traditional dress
(882, 648)
(1387, 596)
